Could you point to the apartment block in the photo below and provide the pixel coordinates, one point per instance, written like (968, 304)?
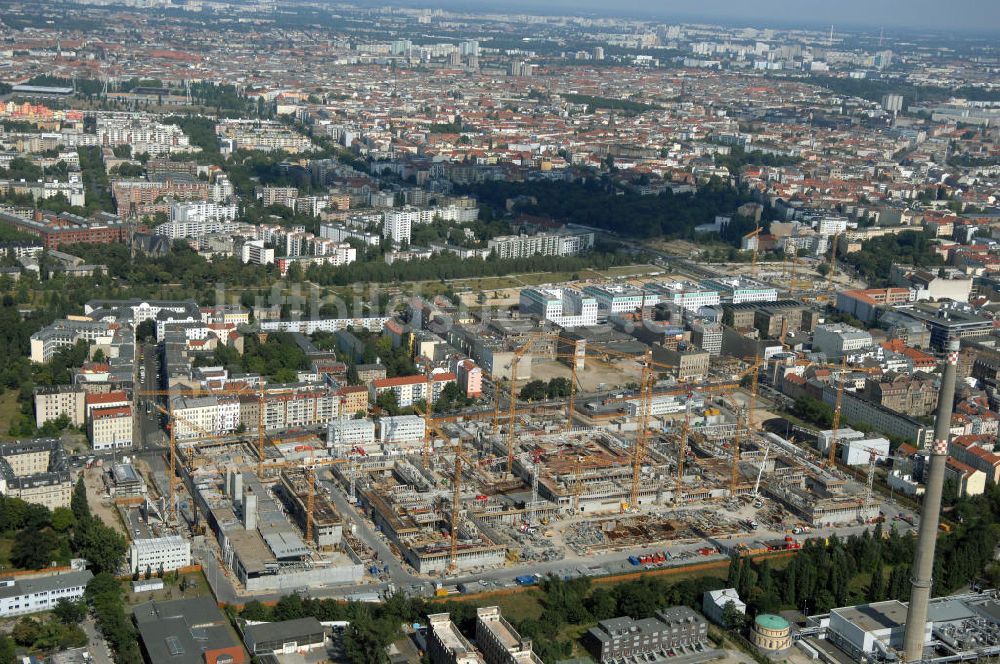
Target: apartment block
(545, 244)
(401, 429)
(53, 402)
(836, 339)
(256, 253)
(499, 642)
(670, 629)
(36, 471)
(445, 643)
(110, 428)
(410, 389)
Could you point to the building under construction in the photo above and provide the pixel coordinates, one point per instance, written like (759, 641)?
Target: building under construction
(416, 515)
(294, 489)
(256, 539)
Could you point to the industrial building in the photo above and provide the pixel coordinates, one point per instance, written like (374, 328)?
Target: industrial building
(284, 638)
(187, 631)
(958, 628)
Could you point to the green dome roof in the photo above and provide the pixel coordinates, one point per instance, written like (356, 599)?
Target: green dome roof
(771, 621)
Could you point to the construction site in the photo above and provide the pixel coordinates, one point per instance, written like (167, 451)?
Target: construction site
(258, 519)
(531, 488)
(667, 465)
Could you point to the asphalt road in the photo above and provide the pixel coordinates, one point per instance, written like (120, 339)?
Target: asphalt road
(96, 644)
(150, 431)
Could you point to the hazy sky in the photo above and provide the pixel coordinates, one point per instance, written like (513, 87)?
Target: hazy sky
(978, 15)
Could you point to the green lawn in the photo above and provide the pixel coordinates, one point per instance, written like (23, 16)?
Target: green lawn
(527, 604)
(197, 587)
(5, 546)
(9, 409)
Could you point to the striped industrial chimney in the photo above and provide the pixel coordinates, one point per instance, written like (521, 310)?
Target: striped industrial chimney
(923, 563)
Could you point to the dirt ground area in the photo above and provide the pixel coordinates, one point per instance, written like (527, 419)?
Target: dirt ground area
(680, 247)
(589, 379)
(100, 504)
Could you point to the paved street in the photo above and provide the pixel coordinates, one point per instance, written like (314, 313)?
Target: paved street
(95, 642)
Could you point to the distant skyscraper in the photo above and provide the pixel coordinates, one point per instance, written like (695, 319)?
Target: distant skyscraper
(883, 59)
(598, 52)
(469, 48)
(892, 103)
(520, 68)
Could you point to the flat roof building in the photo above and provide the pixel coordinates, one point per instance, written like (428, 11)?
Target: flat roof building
(446, 644)
(675, 628)
(41, 593)
(187, 631)
(499, 641)
(284, 637)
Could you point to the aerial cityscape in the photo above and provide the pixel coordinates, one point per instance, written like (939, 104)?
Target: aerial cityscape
(466, 333)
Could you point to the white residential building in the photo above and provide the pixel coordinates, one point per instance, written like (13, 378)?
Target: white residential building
(159, 554)
(397, 227)
(350, 433)
(401, 429)
(742, 289)
(410, 389)
(63, 333)
(714, 602)
(222, 189)
(227, 416)
(339, 233)
(194, 416)
(690, 296)
(176, 230)
(545, 244)
(42, 593)
(312, 325)
(831, 225)
(254, 251)
(201, 211)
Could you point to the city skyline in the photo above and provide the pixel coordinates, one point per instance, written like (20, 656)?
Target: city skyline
(975, 16)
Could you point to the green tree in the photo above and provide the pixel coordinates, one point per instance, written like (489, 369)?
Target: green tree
(602, 604)
(34, 549)
(26, 631)
(732, 618)
(62, 519)
(69, 612)
(878, 586)
(103, 547)
(387, 402)
(364, 645)
(78, 501)
(7, 654)
(534, 390)
(146, 331)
